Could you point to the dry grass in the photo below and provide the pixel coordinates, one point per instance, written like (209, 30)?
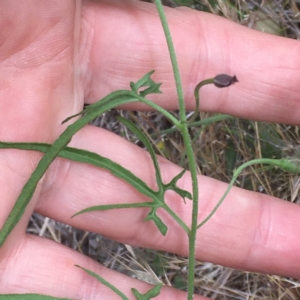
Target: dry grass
(219, 149)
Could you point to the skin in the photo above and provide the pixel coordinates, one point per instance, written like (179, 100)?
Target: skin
(54, 56)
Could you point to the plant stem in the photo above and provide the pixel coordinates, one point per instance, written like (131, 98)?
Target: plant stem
(176, 218)
(167, 114)
(175, 67)
(196, 94)
(237, 172)
(208, 121)
(188, 145)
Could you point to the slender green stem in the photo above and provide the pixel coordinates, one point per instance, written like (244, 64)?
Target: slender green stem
(188, 145)
(176, 218)
(196, 94)
(175, 67)
(193, 230)
(274, 162)
(207, 121)
(161, 110)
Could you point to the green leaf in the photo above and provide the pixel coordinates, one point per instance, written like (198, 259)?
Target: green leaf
(97, 160)
(29, 297)
(114, 206)
(157, 220)
(172, 185)
(154, 292)
(141, 136)
(106, 283)
(105, 105)
(83, 112)
(145, 80)
(151, 86)
(112, 100)
(84, 156)
(153, 89)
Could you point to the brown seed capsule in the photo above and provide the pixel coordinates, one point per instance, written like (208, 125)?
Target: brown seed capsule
(224, 80)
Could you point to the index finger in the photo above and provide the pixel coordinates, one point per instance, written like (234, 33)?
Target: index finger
(125, 41)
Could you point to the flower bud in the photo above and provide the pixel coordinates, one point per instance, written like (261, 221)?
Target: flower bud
(290, 164)
(224, 80)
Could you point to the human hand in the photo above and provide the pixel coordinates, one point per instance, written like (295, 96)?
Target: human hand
(49, 67)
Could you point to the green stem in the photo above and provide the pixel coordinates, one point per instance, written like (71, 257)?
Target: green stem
(160, 109)
(176, 218)
(188, 145)
(207, 121)
(237, 172)
(196, 94)
(175, 67)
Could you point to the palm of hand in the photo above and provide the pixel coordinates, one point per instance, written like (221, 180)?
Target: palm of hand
(50, 61)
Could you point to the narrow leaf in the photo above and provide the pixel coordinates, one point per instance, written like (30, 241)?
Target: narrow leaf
(144, 81)
(115, 96)
(154, 292)
(95, 159)
(141, 136)
(112, 100)
(84, 156)
(151, 87)
(152, 216)
(106, 283)
(113, 206)
(73, 116)
(172, 185)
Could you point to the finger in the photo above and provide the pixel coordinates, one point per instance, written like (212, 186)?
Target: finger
(267, 67)
(249, 231)
(59, 271)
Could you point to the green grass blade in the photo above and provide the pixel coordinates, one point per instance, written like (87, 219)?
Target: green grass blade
(106, 283)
